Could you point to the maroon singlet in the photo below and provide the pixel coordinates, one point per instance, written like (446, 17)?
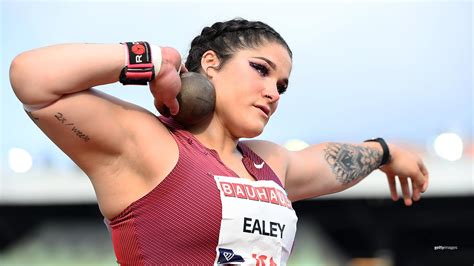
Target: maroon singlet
(178, 222)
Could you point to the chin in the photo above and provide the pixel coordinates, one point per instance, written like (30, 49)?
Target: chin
(251, 131)
(253, 134)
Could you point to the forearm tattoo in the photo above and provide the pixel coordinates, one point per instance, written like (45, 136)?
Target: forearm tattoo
(60, 117)
(349, 162)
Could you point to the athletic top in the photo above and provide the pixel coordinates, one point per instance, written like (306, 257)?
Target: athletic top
(203, 214)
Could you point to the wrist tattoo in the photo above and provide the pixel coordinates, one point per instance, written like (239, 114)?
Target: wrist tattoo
(349, 162)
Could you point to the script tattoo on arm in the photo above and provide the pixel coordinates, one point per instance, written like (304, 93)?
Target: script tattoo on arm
(350, 162)
(33, 118)
(60, 117)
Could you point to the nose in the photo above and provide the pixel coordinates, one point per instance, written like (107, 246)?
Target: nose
(271, 93)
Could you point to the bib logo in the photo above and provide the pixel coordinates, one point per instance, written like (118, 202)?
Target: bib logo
(262, 260)
(227, 256)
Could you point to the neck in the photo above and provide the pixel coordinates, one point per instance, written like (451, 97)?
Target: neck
(212, 134)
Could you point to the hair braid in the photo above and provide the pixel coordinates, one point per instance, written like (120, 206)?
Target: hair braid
(226, 38)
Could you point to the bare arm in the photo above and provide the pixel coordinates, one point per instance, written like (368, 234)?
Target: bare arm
(91, 127)
(332, 167)
(107, 137)
(41, 76)
(329, 167)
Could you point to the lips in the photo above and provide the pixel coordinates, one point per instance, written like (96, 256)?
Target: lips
(264, 108)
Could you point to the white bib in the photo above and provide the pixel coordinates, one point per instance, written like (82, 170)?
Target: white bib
(258, 223)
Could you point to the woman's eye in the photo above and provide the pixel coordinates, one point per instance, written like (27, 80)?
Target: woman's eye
(263, 70)
(281, 89)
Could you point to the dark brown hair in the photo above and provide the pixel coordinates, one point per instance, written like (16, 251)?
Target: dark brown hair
(226, 38)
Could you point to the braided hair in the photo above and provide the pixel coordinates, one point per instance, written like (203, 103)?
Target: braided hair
(226, 38)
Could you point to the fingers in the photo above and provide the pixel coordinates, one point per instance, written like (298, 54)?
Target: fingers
(419, 184)
(408, 197)
(418, 176)
(169, 96)
(393, 187)
(427, 182)
(412, 174)
(420, 180)
(405, 190)
(165, 89)
(173, 106)
(171, 56)
(416, 191)
(182, 69)
(161, 107)
(424, 171)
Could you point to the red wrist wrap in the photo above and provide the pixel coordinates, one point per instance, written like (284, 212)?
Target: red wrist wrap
(139, 69)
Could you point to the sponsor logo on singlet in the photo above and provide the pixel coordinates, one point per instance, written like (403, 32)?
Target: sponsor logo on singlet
(249, 192)
(228, 255)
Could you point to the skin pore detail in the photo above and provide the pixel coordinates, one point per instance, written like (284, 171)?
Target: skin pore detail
(60, 117)
(350, 162)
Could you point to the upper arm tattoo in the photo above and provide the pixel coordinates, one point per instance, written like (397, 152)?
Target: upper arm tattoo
(349, 162)
(33, 118)
(62, 119)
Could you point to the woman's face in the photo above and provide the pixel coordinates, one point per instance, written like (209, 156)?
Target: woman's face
(248, 88)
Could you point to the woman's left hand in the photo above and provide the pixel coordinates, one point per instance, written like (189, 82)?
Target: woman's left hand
(409, 168)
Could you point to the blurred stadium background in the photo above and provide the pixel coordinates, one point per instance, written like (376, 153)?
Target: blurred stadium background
(397, 69)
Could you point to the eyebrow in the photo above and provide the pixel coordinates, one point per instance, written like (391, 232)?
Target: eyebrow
(268, 61)
(272, 65)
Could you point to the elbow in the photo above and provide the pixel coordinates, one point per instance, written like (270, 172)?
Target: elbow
(25, 79)
(15, 76)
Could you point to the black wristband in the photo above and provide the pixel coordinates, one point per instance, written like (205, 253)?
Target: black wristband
(386, 151)
(139, 69)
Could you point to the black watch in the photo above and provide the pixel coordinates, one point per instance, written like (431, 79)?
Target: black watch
(386, 152)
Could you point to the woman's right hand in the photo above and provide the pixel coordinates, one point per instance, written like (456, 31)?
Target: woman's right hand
(167, 84)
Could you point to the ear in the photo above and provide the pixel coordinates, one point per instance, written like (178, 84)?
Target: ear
(210, 63)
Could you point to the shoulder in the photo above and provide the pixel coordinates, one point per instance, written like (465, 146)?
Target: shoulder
(276, 156)
(265, 148)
